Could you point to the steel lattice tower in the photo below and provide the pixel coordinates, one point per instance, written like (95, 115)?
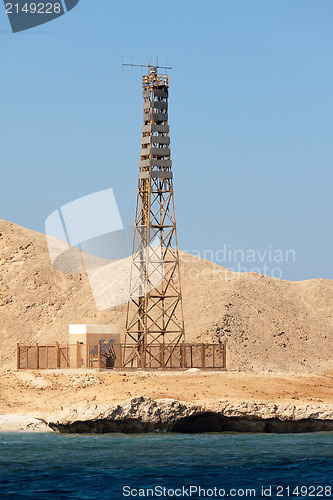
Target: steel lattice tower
(154, 313)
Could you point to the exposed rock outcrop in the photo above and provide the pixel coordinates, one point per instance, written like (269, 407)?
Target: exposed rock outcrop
(142, 414)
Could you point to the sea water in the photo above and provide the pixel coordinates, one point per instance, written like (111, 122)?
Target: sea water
(118, 466)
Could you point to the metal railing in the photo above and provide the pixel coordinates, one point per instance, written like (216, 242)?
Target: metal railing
(159, 80)
(66, 356)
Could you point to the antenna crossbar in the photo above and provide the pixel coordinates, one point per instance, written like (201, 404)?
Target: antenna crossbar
(149, 65)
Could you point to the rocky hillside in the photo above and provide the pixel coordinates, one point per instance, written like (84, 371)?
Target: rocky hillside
(269, 324)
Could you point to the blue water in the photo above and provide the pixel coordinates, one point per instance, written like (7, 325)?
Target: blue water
(52, 466)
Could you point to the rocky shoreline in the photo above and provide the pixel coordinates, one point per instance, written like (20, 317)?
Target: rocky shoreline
(144, 414)
(188, 401)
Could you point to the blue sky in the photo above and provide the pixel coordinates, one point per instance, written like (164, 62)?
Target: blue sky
(250, 112)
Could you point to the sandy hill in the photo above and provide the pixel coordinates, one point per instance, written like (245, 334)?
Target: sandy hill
(269, 324)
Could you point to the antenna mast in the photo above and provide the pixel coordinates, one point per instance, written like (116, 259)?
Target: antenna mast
(154, 323)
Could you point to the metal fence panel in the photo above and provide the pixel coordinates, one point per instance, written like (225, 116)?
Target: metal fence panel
(107, 356)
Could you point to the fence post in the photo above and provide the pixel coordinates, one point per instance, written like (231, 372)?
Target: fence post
(224, 354)
(142, 361)
(203, 356)
(122, 355)
(162, 355)
(77, 354)
(182, 355)
(57, 355)
(18, 354)
(37, 357)
(99, 354)
(144, 356)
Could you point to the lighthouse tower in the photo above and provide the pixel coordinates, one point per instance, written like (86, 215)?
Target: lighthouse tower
(154, 322)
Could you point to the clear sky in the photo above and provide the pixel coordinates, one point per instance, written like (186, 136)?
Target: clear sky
(250, 111)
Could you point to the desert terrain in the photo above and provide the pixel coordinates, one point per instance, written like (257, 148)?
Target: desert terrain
(269, 324)
(278, 333)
